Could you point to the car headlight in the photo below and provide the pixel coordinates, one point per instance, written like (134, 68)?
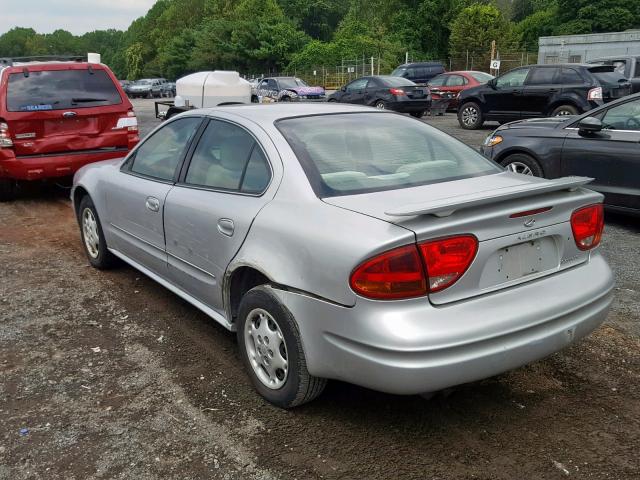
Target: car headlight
(493, 140)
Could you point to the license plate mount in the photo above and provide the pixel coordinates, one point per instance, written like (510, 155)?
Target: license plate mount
(517, 261)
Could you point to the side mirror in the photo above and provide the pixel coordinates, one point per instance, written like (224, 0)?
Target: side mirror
(343, 89)
(589, 125)
(492, 83)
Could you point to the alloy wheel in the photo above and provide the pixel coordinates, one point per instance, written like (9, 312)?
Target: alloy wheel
(380, 106)
(469, 116)
(519, 167)
(90, 233)
(266, 348)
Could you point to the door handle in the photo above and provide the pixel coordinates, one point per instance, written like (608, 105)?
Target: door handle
(226, 227)
(153, 204)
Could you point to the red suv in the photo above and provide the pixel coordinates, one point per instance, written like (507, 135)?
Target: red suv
(58, 115)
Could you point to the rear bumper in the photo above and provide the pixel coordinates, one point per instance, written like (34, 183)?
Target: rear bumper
(410, 347)
(410, 106)
(52, 166)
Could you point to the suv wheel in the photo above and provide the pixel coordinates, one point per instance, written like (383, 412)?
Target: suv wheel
(523, 164)
(563, 110)
(470, 116)
(93, 240)
(271, 350)
(8, 189)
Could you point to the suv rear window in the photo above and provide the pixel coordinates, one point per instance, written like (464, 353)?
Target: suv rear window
(60, 90)
(346, 154)
(609, 78)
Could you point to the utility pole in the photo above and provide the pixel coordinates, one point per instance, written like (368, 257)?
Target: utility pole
(493, 54)
(372, 66)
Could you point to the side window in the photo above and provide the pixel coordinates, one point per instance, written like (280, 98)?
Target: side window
(623, 117)
(221, 160)
(257, 174)
(514, 78)
(159, 155)
(542, 76)
(620, 66)
(422, 72)
(272, 84)
(438, 81)
(637, 72)
(455, 81)
(357, 85)
(569, 76)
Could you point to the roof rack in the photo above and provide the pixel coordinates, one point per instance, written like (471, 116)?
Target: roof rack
(9, 61)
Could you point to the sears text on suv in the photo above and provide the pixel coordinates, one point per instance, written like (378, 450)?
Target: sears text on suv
(541, 91)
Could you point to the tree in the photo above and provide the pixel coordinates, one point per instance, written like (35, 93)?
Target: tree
(134, 60)
(477, 26)
(14, 43)
(541, 23)
(592, 16)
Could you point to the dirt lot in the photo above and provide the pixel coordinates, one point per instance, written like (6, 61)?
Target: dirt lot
(108, 375)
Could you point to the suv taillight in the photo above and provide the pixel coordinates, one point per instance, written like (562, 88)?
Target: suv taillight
(595, 94)
(5, 138)
(130, 122)
(413, 271)
(587, 224)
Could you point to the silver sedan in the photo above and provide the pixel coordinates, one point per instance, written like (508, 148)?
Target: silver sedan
(341, 242)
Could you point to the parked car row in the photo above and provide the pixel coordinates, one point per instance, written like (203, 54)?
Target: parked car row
(149, 88)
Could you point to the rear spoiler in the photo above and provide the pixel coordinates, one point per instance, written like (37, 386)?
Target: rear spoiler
(446, 206)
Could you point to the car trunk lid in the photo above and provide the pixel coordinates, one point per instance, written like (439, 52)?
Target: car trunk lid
(522, 225)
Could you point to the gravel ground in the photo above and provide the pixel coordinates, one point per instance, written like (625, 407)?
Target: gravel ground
(108, 375)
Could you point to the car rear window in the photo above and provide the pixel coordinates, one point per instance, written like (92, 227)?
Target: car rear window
(60, 90)
(345, 154)
(481, 76)
(396, 82)
(609, 78)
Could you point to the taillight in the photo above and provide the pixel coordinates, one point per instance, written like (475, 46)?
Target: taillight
(396, 91)
(587, 224)
(392, 275)
(414, 271)
(595, 94)
(130, 122)
(5, 138)
(447, 259)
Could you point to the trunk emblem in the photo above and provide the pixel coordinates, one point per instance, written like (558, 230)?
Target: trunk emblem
(529, 222)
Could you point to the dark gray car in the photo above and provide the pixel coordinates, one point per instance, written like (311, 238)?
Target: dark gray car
(602, 144)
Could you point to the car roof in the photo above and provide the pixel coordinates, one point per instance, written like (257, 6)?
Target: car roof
(272, 112)
(426, 64)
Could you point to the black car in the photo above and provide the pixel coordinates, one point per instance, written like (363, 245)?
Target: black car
(419, 72)
(602, 144)
(541, 91)
(386, 92)
(627, 65)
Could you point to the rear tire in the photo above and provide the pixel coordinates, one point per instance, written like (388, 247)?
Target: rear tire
(470, 116)
(523, 164)
(417, 114)
(564, 110)
(8, 189)
(95, 246)
(380, 105)
(268, 336)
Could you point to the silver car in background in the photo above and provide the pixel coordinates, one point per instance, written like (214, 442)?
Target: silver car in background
(342, 242)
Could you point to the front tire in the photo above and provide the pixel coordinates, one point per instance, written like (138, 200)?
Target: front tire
(564, 110)
(470, 116)
(285, 99)
(523, 164)
(271, 350)
(95, 246)
(417, 114)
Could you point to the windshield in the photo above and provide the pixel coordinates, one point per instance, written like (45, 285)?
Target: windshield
(347, 154)
(291, 83)
(396, 82)
(60, 89)
(143, 82)
(481, 76)
(398, 72)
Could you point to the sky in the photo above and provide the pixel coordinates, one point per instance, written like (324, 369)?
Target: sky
(76, 16)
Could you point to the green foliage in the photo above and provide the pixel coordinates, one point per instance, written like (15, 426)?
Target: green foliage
(477, 26)
(177, 37)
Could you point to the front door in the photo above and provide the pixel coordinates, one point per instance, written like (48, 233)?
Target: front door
(504, 99)
(209, 212)
(135, 203)
(611, 157)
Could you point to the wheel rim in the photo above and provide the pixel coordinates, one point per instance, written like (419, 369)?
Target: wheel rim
(90, 233)
(380, 105)
(266, 349)
(563, 113)
(469, 116)
(519, 167)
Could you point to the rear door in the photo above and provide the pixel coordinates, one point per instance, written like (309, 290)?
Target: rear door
(135, 203)
(66, 109)
(209, 212)
(539, 88)
(611, 157)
